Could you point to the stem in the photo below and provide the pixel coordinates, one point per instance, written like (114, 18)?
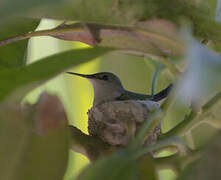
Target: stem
(169, 64)
(181, 128)
(191, 120)
(172, 68)
(176, 162)
(148, 126)
(211, 102)
(48, 32)
(154, 79)
(189, 140)
(172, 141)
(90, 146)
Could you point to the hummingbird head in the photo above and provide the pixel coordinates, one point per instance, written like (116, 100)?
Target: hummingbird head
(107, 86)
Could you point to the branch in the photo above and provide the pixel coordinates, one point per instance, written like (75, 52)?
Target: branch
(90, 146)
(172, 141)
(158, 68)
(209, 105)
(149, 125)
(176, 162)
(169, 64)
(192, 120)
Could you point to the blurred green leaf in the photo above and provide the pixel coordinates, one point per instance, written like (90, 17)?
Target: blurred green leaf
(125, 12)
(218, 11)
(120, 165)
(14, 55)
(188, 172)
(105, 11)
(146, 168)
(209, 6)
(9, 7)
(208, 166)
(23, 79)
(34, 140)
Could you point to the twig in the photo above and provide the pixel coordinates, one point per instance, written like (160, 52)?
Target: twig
(191, 120)
(181, 128)
(90, 146)
(148, 126)
(211, 102)
(172, 141)
(176, 162)
(172, 68)
(158, 68)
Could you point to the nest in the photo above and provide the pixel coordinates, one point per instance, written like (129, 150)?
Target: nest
(117, 122)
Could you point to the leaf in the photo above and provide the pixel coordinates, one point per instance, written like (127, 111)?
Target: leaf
(104, 11)
(14, 55)
(19, 7)
(209, 6)
(23, 79)
(208, 166)
(34, 140)
(125, 12)
(150, 41)
(120, 165)
(147, 170)
(218, 9)
(146, 39)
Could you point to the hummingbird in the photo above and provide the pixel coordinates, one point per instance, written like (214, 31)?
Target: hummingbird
(108, 87)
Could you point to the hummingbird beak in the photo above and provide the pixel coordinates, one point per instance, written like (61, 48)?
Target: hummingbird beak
(88, 76)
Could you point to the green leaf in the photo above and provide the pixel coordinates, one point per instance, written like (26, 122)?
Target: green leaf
(23, 79)
(9, 7)
(125, 12)
(146, 169)
(105, 11)
(208, 166)
(138, 40)
(218, 11)
(14, 55)
(34, 140)
(120, 165)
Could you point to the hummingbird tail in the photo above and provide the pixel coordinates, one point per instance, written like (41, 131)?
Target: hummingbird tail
(162, 94)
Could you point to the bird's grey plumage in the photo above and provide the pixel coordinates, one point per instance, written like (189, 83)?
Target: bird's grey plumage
(108, 87)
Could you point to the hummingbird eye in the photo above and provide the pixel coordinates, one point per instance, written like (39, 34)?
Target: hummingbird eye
(105, 77)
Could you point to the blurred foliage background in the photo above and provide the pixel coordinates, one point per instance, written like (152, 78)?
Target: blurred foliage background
(39, 41)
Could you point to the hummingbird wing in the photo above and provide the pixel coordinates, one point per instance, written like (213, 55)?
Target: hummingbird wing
(127, 95)
(162, 94)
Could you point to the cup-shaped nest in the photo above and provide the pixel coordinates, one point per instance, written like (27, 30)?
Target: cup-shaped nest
(117, 122)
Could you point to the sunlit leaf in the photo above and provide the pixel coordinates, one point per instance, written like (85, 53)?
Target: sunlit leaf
(26, 78)
(120, 165)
